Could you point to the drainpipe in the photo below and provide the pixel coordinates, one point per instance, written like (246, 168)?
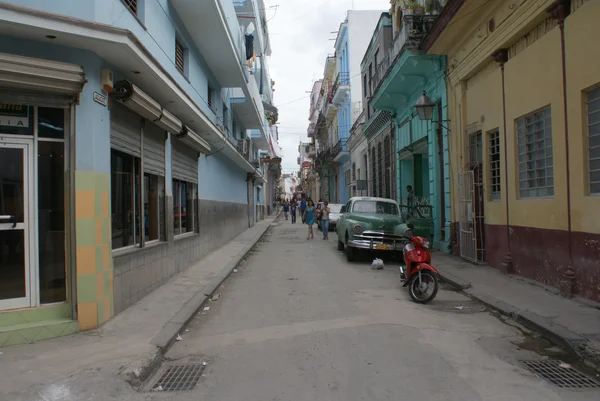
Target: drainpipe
(559, 11)
(501, 57)
(440, 143)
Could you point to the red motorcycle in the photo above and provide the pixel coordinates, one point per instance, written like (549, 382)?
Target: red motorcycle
(420, 277)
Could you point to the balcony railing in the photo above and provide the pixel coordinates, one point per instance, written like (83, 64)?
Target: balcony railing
(413, 31)
(311, 130)
(343, 78)
(339, 147)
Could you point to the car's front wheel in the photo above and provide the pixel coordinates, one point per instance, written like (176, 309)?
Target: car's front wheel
(340, 245)
(351, 253)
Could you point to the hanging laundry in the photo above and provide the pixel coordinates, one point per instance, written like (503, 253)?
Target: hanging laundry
(249, 46)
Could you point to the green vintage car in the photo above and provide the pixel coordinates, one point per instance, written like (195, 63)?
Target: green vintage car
(372, 224)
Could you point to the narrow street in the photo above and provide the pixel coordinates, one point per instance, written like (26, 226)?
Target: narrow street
(297, 322)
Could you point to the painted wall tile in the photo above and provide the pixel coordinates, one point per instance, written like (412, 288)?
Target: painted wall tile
(86, 288)
(88, 315)
(86, 260)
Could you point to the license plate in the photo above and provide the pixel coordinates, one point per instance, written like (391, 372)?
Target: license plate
(382, 247)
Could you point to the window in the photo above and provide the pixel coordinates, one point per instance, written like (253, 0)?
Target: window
(125, 171)
(593, 125)
(209, 95)
(179, 57)
(534, 149)
(132, 5)
(184, 208)
(376, 58)
(353, 171)
(494, 161)
(365, 93)
(371, 206)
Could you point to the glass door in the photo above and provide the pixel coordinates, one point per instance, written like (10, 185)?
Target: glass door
(15, 240)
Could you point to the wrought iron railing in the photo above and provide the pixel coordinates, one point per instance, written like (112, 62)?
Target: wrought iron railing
(339, 147)
(343, 78)
(413, 31)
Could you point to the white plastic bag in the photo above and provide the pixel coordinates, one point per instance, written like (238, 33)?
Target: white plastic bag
(377, 264)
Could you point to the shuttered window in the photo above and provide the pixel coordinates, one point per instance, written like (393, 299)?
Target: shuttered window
(136, 151)
(388, 166)
(209, 96)
(184, 162)
(179, 57)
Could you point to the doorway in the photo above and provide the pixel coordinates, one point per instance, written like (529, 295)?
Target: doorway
(33, 242)
(17, 278)
(471, 202)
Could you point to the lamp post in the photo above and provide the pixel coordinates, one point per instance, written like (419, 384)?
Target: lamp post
(425, 107)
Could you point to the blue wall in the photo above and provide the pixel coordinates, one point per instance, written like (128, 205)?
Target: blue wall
(221, 180)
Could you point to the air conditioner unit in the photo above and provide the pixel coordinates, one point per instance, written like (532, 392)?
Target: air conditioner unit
(243, 146)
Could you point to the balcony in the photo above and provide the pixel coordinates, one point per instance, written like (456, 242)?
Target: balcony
(341, 87)
(409, 37)
(310, 132)
(220, 41)
(340, 150)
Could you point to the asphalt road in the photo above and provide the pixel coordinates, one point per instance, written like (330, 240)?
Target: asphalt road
(299, 323)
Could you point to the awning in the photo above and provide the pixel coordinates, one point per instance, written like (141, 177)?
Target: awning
(144, 105)
(193, 140)
(39, 75)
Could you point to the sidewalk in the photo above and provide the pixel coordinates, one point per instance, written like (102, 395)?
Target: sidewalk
(574, 324)
(133, 342)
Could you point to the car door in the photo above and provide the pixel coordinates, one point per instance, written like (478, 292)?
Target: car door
(342, 220)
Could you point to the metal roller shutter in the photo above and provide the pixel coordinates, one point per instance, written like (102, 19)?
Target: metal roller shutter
(184, 162)
(154, 150)
(124, 130)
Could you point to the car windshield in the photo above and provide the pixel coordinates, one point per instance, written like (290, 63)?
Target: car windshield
(335, 208)
(371, 206)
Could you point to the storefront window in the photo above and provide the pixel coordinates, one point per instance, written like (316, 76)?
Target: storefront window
(16, 119)
(51, 123)
(184, 195)
(123, 202)
(51, 221)
(154, 207)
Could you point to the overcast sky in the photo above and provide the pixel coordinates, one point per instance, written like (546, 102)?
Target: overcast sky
(300, 33)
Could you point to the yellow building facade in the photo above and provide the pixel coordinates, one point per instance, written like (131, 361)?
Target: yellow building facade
(524, 105)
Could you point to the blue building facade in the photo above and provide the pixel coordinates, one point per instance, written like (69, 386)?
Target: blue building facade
(148, 117)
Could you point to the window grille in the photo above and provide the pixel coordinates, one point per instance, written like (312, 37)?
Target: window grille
(494, 162)
(209, 96)
(534, 149)
(593, 126)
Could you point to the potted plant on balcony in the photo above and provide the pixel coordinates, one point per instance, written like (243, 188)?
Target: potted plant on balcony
(408, 7)
(432, 7)
(418, 9)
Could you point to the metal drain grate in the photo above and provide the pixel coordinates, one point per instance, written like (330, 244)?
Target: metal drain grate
(566, 377)
(179, 378)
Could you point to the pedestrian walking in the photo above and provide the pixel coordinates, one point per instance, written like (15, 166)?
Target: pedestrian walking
(286, 209)
(309, 218)
(293, 211)
(302, 209)
(325, 220)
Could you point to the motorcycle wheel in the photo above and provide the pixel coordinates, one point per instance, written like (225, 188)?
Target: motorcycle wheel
(418, 289)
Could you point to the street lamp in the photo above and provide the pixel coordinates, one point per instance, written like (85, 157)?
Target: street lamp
(424, 106)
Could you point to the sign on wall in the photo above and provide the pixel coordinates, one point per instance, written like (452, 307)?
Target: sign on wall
(14, 115)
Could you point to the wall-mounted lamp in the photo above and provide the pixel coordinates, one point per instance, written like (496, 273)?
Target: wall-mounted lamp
(424, 106)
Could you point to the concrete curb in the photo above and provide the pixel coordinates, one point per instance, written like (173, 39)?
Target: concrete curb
(138, 371)
(553, 332)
